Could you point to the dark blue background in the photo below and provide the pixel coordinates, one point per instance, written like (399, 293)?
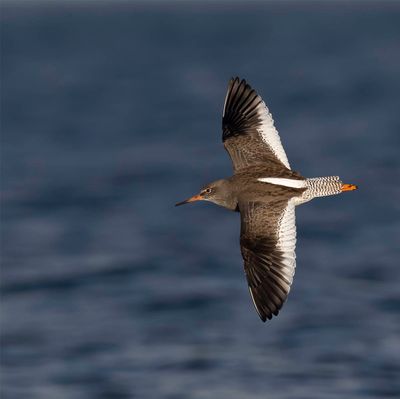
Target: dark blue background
(110, 114)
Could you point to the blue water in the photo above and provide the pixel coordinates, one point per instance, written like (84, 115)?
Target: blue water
(110, 114)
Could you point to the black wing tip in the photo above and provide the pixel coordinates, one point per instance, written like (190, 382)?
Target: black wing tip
(263, 313)
(263, 307)
(240, 108)
(237, 79)
(267, 316)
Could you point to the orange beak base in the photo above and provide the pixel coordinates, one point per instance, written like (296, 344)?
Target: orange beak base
(191, 199)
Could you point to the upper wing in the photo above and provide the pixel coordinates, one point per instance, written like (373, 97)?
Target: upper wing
(248, 130)
(268, 241)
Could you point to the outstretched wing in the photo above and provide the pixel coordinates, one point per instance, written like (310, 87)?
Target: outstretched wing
(268, 241)
(248, 131)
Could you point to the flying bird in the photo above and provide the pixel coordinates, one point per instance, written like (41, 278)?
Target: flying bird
(265, 190)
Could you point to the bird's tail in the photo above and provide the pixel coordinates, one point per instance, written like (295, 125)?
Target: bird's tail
(324, 186)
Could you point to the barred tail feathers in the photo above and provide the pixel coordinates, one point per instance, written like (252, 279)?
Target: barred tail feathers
(324, 186)
(320, 187)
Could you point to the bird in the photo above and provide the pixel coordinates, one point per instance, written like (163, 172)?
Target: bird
(265, 190)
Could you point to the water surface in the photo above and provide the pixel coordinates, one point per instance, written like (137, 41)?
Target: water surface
(110, 115)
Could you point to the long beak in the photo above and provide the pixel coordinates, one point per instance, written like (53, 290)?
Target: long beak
(191, 199)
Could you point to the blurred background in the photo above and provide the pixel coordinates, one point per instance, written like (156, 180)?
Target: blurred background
(111, 113)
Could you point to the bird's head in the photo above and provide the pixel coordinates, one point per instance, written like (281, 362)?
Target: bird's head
(218, 192)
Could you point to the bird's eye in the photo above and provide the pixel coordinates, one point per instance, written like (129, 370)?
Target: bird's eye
(207, 190)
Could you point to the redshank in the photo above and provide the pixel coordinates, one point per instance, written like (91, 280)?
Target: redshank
(265, 190)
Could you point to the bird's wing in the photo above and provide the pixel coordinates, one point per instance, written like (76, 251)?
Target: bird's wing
(248, 131)
(268, 241)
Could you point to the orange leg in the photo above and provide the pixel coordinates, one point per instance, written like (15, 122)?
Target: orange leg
(349, 187)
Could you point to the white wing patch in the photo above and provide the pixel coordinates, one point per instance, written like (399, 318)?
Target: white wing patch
(284, 182)
(287, 241)
(270, 135)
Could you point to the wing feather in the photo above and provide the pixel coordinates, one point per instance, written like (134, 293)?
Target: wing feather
(248, 130)
(268, 241)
